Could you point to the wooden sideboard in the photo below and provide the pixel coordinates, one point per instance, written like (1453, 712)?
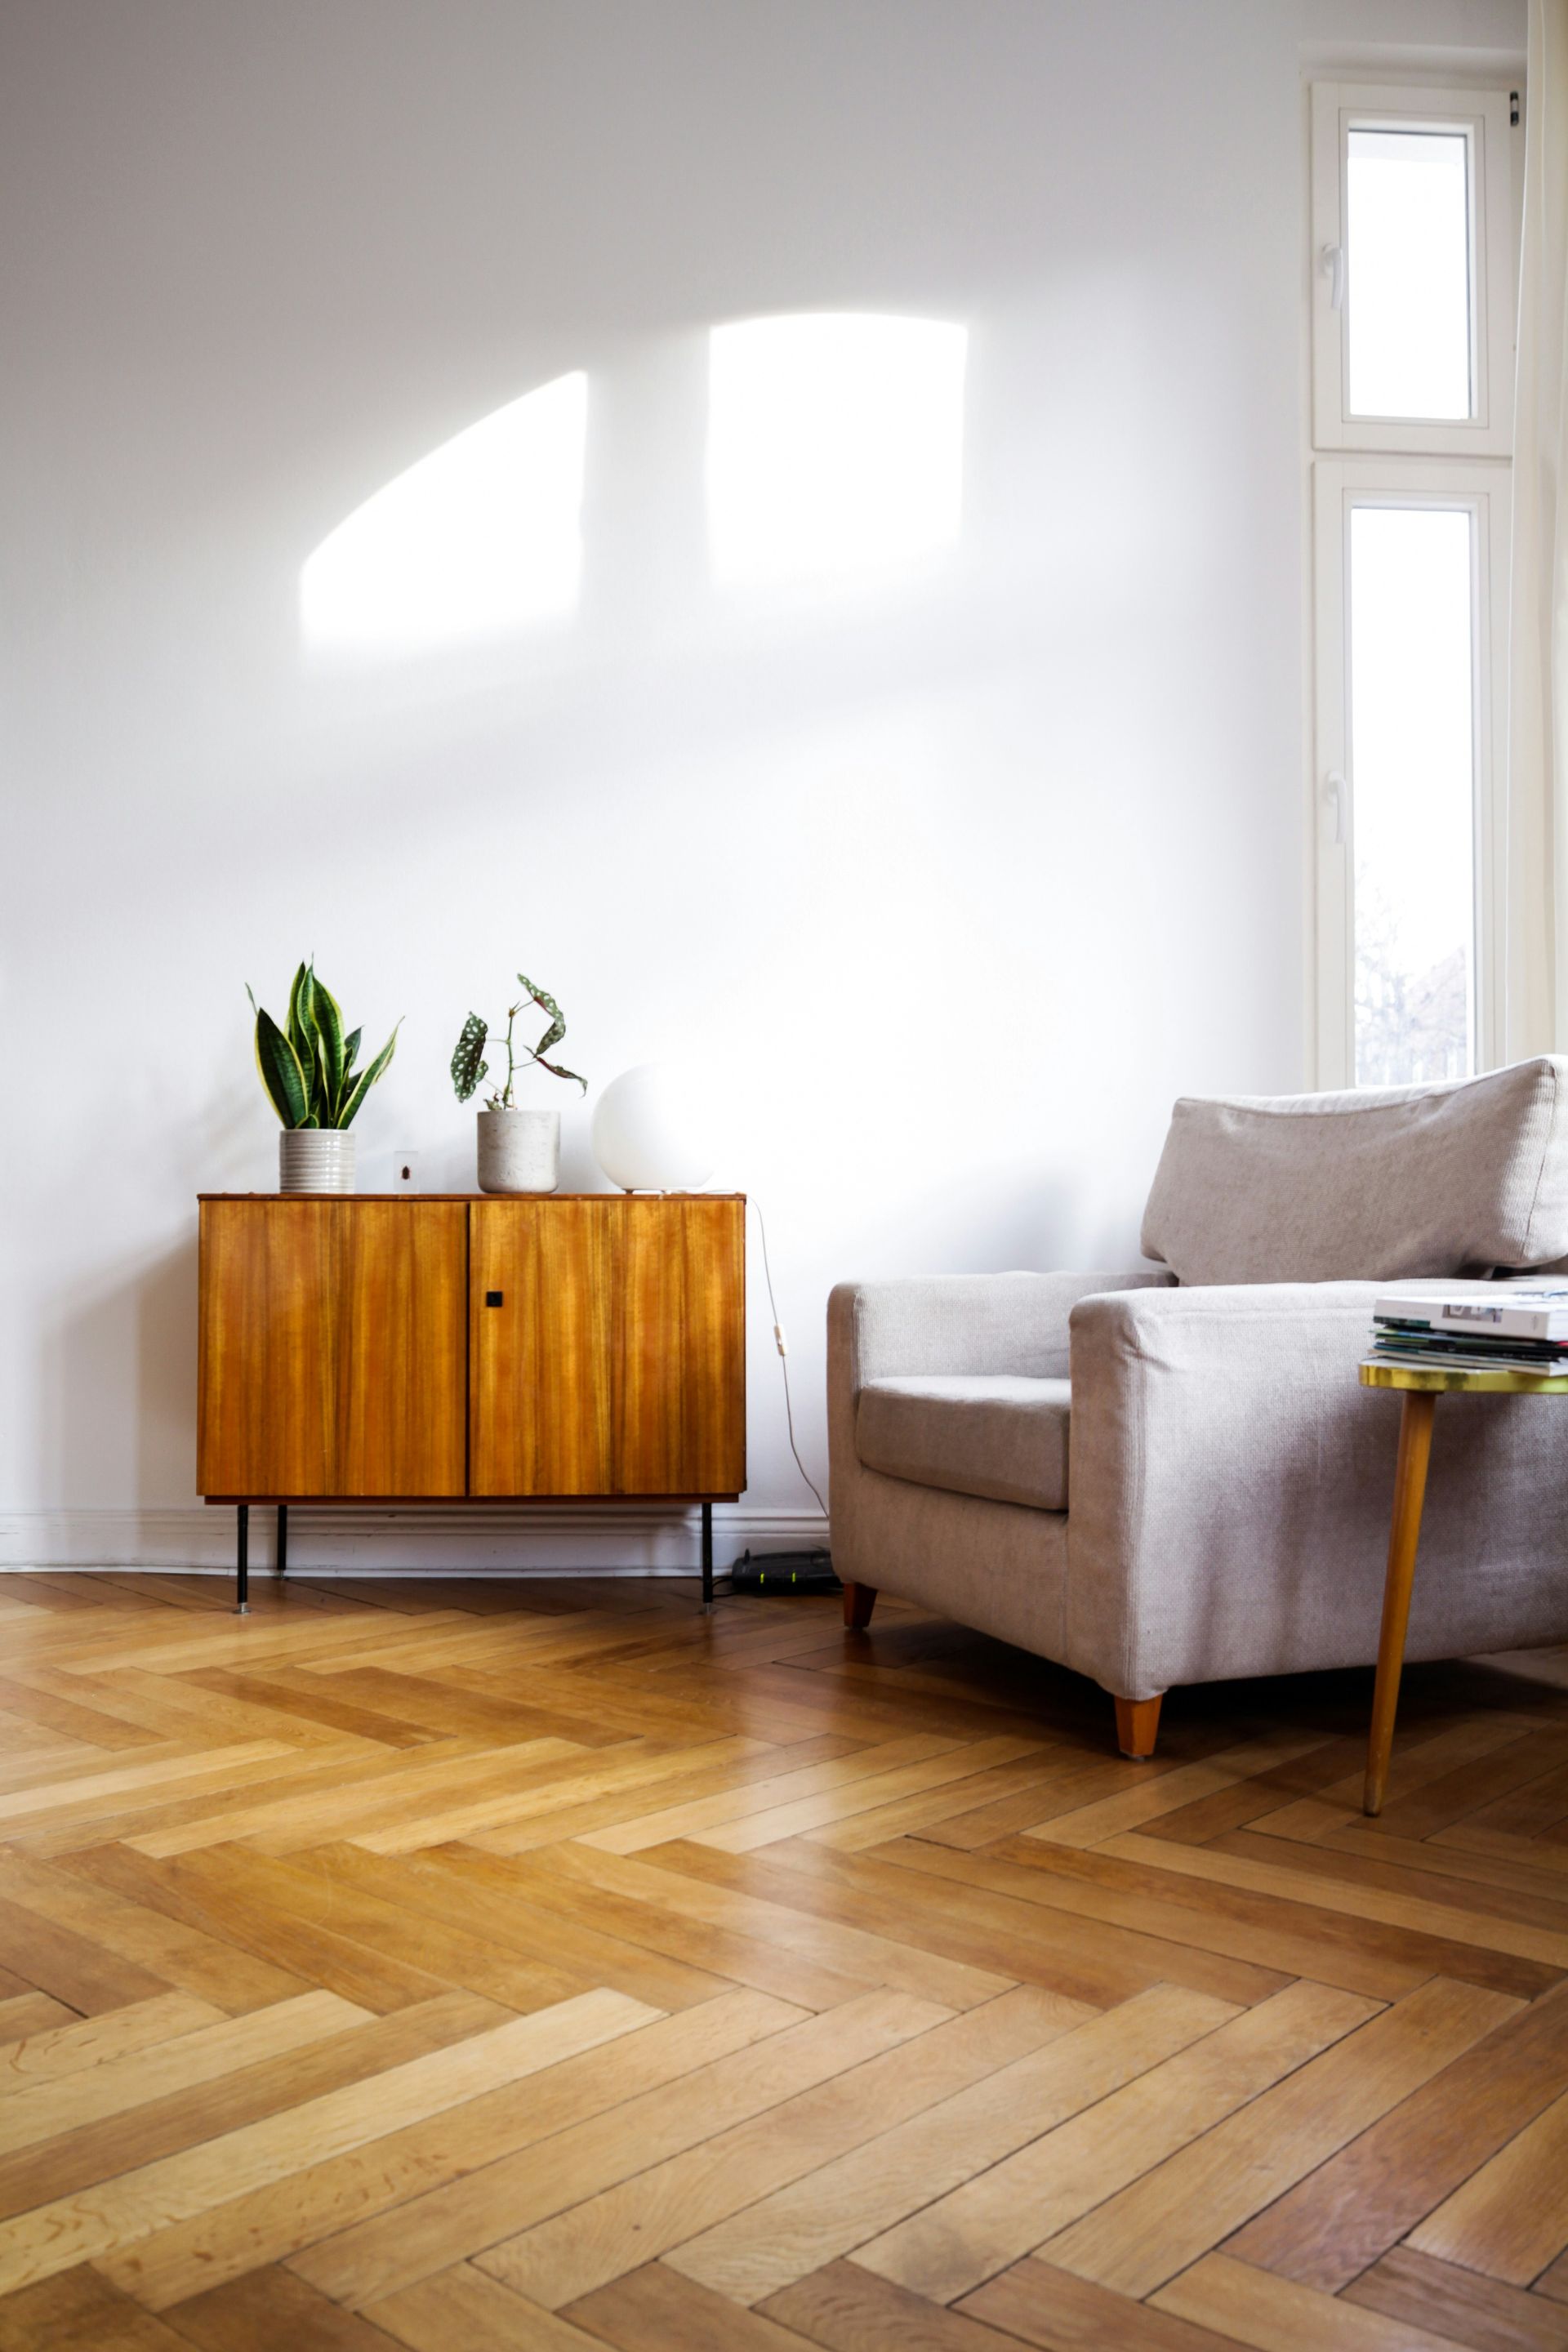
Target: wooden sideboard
(453, 1347)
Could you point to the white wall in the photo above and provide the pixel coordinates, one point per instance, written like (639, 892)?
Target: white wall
(952, 884)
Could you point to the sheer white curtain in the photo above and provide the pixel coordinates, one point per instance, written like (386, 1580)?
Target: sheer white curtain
(1537, 992)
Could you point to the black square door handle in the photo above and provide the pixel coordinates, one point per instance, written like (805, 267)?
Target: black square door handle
(492, 1298)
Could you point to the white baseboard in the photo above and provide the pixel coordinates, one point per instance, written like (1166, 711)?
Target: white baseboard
(631, 1539)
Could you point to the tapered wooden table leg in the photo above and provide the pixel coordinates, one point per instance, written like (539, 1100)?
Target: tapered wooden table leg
(1409, 1493)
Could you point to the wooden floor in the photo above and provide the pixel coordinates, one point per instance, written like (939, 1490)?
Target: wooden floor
(470, 1966)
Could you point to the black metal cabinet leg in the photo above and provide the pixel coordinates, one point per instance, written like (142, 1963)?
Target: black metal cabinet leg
(242, 1563)
(282, 1539)
(707, 1555)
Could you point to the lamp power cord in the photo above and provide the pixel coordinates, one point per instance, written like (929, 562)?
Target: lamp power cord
(781, 1344)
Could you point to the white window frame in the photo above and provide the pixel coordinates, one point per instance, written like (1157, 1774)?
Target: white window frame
(1483, 117)
(1483, 491)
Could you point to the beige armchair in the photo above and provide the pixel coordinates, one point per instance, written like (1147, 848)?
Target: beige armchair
(1174, 1475)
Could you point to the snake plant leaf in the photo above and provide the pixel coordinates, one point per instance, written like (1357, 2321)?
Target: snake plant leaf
(554, 1034)
(468, 1068)
(351, 1054)
(366, 1079)
(281, 1074)
(302, 1027)
(329, 1021)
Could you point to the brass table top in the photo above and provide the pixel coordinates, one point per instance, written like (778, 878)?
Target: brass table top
(1421, 1378)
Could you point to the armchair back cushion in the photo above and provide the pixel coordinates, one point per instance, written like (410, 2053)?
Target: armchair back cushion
(1455, 1179)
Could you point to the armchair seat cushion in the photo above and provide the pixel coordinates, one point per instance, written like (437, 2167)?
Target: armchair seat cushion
(996, 1434)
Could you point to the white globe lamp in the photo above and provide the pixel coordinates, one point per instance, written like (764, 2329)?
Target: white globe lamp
(653, 1131)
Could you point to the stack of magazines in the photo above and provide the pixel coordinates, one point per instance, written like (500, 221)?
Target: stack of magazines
(1484, 1327)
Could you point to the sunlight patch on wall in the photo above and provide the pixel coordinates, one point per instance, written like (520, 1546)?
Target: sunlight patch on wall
(834, 445)
(478, 539)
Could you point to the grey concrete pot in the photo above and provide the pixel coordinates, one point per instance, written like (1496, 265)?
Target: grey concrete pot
(520, 1150)
(315, 1159)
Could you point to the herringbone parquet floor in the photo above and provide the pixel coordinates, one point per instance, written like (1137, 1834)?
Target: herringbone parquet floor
(478, 1966)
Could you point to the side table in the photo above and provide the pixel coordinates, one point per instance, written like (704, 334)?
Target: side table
(1421, 1387)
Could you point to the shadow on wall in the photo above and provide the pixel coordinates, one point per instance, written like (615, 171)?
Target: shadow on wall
(632, 547)
(115, 1386)
(722, 541)
(135, 1334)
(829, 451)
(1032, 1218)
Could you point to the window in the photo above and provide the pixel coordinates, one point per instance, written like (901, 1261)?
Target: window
(1413, 277)
(1412, 608)
(1413, 358)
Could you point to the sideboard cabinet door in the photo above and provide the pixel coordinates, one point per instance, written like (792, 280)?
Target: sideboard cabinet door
(608, 1342)
(333, 1340)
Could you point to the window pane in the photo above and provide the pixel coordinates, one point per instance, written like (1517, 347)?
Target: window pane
(1413, 772)
(1407, 237)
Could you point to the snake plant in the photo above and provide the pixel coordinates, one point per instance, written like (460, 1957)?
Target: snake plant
(308, 1066)
(468, 1068)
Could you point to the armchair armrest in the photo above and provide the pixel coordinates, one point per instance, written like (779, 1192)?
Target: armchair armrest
(951, 1324)
(959, 1323)
(1229, 1482)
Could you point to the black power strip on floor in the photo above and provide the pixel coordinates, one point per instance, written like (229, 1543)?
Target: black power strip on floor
(776, 1573)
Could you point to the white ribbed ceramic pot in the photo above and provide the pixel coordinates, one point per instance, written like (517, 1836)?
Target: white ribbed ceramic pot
(315, 1159)
(520, 1150)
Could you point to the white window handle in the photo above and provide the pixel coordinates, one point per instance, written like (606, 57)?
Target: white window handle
(1335, 263)
(1336, 791)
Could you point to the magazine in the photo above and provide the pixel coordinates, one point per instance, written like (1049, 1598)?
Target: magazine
(1484, 1310)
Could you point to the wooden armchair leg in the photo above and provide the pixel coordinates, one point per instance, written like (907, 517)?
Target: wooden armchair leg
(859, 1600)
(1138, 1726)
